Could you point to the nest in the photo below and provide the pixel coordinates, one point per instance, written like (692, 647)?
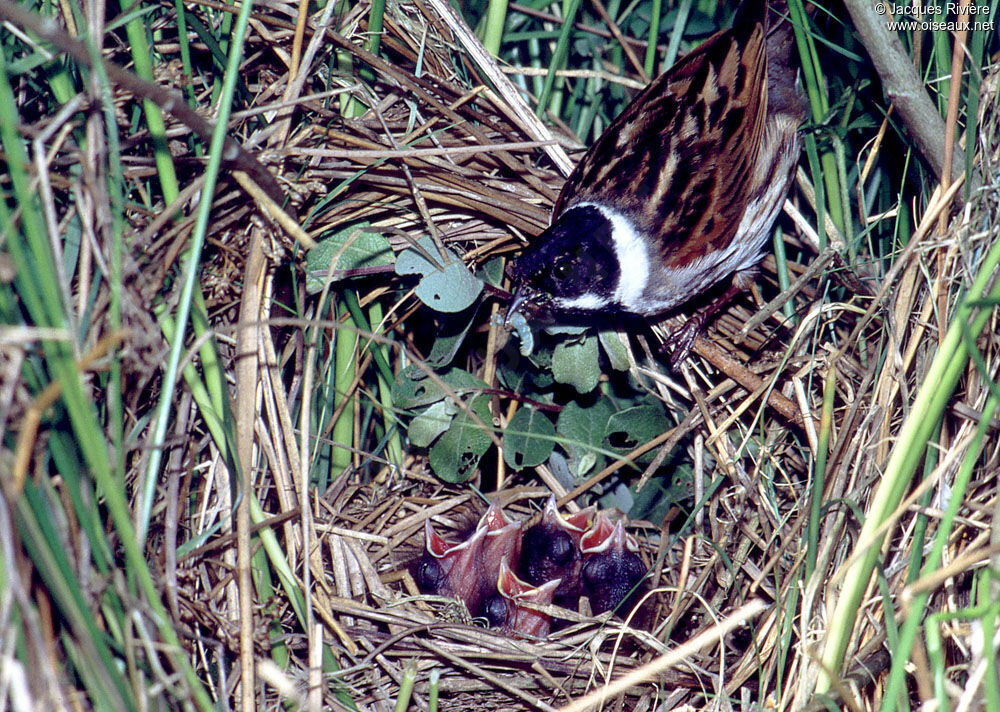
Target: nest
(415, 143)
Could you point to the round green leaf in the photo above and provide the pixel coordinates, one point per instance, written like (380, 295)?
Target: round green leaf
(492, 271)
(436, 418)
(422, 259)
(449, 336)
(449, 290)
(447, 287)
(413, 388)
(630, 428)
(615, 349)
(455, 455)
(528, 440)
(575, 363)
(364, 249)
(583, 430)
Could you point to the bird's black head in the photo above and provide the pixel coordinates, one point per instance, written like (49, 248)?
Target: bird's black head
(497, 610)
(549, 552)
(544, 550)
(429, 574)
(571, 266)
(608, 578)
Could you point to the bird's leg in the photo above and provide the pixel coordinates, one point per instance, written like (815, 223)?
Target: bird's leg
(682, 340)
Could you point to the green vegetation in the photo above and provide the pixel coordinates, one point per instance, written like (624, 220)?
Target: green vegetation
(168, 359)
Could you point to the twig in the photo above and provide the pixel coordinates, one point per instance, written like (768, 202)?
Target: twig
(747, 379)
(904, 87)
(482, 672)
(650, 671)
(632, 58)
(794, 288)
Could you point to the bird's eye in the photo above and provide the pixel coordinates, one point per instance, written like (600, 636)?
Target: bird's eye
(495, 610)
(562, 268)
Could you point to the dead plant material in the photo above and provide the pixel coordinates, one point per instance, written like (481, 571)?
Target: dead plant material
(415, 142)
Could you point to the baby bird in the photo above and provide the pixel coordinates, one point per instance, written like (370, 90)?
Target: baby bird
(469, 570)
(506, 611)
(612, 570)
(559, 558)
(551, 549)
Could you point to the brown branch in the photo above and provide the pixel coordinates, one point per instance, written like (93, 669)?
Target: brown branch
(904, 87)
(749, 380)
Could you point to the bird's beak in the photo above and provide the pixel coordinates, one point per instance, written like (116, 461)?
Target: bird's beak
(605, 536)
(503, 541)
(459, 562)
(575, 524)
(523, 620)
(494, 518)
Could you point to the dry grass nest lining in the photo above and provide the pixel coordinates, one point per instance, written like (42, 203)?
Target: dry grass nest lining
(436, 631)
(473, 198)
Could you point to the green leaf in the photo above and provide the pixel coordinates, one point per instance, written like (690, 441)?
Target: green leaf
(492, 271)
(422, 259)
(630, 428)
(436, 418)
(364, 249)
(451, 290)
(662, 492)
(615, 349)
(528, 440)
(449, 287)
(575, 363)
(455, 455)
(566, 329)
(449, 337)
(413, 388)
(583, 430)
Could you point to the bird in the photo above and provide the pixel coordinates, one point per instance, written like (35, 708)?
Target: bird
(506, 613)
(612, 569)
(502, 565)
(503, 542)
(680, 191)
(448, 569)
(469, 569)
(551, 549)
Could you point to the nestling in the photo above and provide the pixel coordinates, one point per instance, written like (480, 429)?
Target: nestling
(551, 550)
(612, 570)
(557, 560)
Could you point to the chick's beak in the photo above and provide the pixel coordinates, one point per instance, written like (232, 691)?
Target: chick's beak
(522, 620)
(458, 565)
(503, 541)
(575, 524)
(605, 536)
